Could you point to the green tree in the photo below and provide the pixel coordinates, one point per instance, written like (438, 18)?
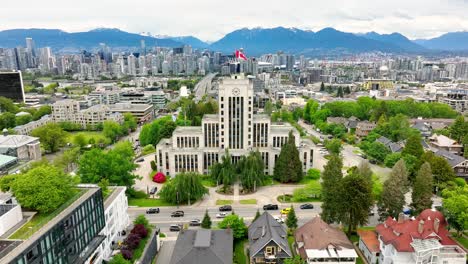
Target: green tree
(111, 130)
(23, 119)
(441, 169)
(268, 109)
(459, 129)
(322, 87)
(141, 220)
(392, 158)
(67, 161)
(251, 170)
(224, 172)
(236, 224)
(184, 187)
(43, 188)
(206, 222)
(153, 132)
(455, 205)
(356, 200)
(288, 167)
(42, 111)
(334, 146)
(7, 120)
(80, 140)
(291, 219)
(378, 151)
(331, 178)
(119, 259)
(51, 135)
(114, 165)
(392, 199)
(413, 146)
(340, 93)
(130, 122)
(7, 105)
(422, 189)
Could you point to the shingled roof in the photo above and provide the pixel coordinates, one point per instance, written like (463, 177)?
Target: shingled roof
(266, 229)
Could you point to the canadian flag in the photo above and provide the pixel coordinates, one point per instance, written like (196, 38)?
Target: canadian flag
(240, 55)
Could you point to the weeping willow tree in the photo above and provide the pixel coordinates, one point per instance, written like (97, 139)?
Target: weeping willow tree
(223, 172)
(251, 171)
(185, 187)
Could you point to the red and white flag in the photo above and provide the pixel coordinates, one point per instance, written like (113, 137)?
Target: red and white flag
(240, 55)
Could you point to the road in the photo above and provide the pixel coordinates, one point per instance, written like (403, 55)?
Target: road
(203, 86)
(163, 220)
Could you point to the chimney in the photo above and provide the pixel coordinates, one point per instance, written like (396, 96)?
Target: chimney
(436, 225)
(421, 226)
(401, 218)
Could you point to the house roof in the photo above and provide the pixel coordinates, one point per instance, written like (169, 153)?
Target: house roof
(203, 246)
(443, 141)
(451, 158)
(266, 229)
(316, 234)
(384, 140)
(401, 234)
(369, 238)
(15, 141)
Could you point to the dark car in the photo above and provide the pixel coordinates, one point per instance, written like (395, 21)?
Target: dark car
(307, 206)
(175, 228)
(373, 161)
(140, 160)
(152, 211)
(153, 190)
(225, 208)
(195, 222)
(270, 207)
(177, 214)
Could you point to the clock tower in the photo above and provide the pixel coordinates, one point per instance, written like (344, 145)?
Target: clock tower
(235, 112)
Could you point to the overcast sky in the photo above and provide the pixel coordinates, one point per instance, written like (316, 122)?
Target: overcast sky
(212, 19)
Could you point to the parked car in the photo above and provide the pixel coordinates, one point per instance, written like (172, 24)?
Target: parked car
(307, 206)
(153, 190)
(195, 222)
(177, 214)
(270, 207)
(279, 219)
(373, 161)
(285, 211)
(152, 211)
(225, 208)
(221, 215)
(140, 160)
(175, 228)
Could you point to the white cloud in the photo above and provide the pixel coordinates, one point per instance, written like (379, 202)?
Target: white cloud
(211, 19)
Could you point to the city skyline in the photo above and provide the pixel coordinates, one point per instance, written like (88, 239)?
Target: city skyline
(211, 20)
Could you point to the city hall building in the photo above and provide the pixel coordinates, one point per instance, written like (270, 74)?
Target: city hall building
(236, 128)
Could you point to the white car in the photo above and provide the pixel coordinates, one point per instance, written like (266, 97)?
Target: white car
(221, 215)
(279, 219)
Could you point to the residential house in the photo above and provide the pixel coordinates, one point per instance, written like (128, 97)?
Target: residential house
(268, 241)
(203, 246)
(369, 245)
(423, 239)
(441, 142)
(363, 128)
(424, 128)
(458, 163)
(318, 242)
(10, 212)
(393, 146)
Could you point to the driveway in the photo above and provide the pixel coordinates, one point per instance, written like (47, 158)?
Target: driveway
(144, 170)
(165, 252)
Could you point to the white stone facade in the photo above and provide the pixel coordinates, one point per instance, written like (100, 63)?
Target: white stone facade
(235, 128)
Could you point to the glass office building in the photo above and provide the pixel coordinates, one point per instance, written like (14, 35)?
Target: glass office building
(70, 237)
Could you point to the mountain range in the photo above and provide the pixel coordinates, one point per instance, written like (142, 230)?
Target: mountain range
(255, 41)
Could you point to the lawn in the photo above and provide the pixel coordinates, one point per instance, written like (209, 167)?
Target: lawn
(462, 240)
(291, 243)
(359, 261)
(223, 202)
(270, 181)
(248, 201)
(288, 198)
(40, 219)
(147, 202)
(88, 135)
(207, 182)
(239, 252)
